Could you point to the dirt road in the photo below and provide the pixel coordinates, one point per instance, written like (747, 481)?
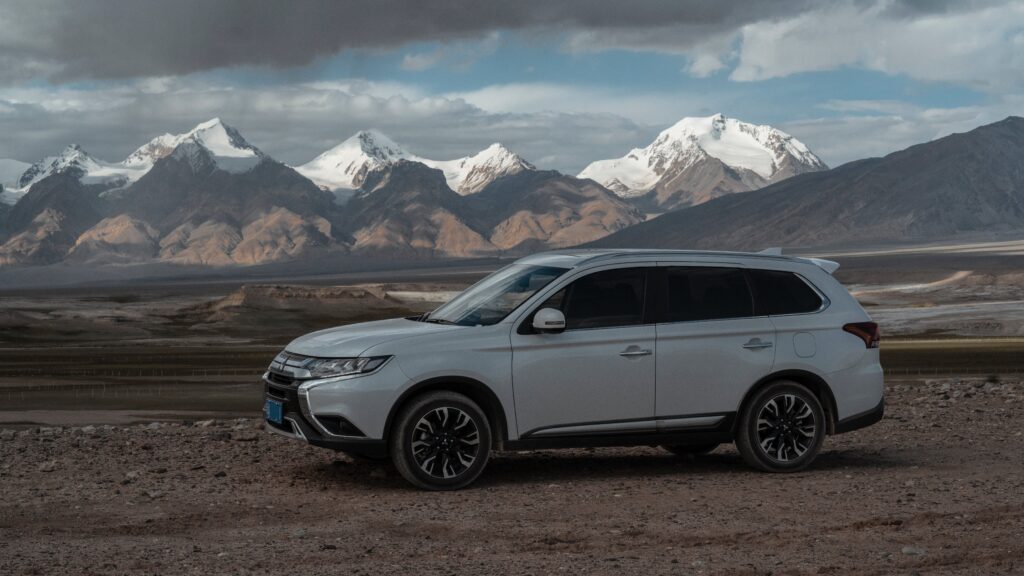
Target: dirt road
(936, 488)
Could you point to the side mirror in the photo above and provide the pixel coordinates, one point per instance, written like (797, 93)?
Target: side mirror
(549, 320)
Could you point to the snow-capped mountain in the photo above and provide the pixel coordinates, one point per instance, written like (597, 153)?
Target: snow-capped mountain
(471, 174)
(73, 160)
(697, 159)
(346, 165)
(220, 142)
(229, 150)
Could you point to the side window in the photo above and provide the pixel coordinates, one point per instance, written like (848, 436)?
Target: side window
(781, 292)
(602, 299)
(696, 293)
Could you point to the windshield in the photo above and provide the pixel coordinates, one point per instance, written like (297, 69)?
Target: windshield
(490, 300)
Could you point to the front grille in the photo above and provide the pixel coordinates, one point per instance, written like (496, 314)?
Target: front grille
(277, 393)
(281, 379)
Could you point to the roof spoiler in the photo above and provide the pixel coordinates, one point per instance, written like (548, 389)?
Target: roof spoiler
(829, 266)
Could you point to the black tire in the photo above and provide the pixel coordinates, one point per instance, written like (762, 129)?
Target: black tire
(692, 450)
(792, 428)
(439, 461)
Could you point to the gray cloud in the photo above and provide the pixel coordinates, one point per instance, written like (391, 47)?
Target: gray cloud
(69, 39)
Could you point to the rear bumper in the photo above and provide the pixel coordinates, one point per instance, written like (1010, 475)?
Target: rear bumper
(862, 420)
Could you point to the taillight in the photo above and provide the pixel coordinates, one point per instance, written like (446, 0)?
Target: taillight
(866, 331)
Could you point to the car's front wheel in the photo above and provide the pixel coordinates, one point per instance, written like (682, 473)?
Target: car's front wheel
(441, 441)
(782, 428)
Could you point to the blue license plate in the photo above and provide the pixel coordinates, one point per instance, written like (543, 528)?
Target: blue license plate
(274, 411)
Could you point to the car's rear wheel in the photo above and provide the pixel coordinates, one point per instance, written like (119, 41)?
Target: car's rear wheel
(782, 428)
(441, 441)
(692, 450)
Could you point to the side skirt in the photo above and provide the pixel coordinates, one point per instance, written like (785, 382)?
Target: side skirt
(721, 432)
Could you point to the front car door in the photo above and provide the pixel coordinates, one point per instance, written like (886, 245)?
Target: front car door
(711, 347)
(596, 377)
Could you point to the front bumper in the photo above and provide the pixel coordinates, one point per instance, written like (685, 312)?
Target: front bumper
(300, 424)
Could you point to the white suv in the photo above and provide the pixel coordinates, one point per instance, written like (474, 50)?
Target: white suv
(686, 350)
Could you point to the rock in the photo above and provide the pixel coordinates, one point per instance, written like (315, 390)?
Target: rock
(49, 466)
(204, 423)
(246, 436)
(154, 426)
(7, 434)
(328, 547)
(90, 430)
(154, 494)
(913, 551)
(220, 474)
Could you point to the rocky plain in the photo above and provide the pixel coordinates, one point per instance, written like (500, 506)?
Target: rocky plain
(936, 488)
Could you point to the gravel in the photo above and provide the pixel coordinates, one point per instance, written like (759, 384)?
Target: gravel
(935, 488)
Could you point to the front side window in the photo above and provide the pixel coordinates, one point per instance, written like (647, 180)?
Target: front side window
(490, 300)
(707, 293)
(780, 292)
(602, 299)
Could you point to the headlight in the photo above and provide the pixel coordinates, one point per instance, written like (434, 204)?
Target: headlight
(334, 367)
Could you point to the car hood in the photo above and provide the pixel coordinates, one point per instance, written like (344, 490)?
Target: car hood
(352, 340)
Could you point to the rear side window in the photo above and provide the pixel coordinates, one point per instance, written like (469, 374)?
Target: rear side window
(602, 299)
(696, 293)
(781, 292)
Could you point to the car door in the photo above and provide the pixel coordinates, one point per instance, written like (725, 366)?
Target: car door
(710, 346)
(597, 376)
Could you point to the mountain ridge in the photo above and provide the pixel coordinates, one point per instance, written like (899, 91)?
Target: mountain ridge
(965, 183)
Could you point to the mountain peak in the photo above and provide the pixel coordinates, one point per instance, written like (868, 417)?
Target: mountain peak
(471, 174)
(758, 154)
(72, 159)
(346, 165)
(211, 123)
(375, 144)
(226, 146)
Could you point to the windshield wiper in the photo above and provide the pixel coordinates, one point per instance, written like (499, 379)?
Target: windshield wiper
(439, 321)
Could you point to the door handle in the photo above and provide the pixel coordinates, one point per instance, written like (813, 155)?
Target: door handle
(635, 352)
(756, 344)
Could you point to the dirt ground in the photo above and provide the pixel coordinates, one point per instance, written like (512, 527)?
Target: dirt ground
(936, 488)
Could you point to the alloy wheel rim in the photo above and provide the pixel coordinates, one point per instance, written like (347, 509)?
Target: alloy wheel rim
(445, 442)
(786, 427)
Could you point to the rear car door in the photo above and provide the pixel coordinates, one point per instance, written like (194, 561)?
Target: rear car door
(596, 377)
(710, 345)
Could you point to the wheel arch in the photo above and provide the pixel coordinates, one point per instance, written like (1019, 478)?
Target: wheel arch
(814, 382)
(473, 389)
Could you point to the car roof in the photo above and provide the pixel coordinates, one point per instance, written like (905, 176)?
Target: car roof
(575, 258)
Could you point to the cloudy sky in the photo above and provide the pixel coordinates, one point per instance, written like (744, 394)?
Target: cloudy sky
(560, 82)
